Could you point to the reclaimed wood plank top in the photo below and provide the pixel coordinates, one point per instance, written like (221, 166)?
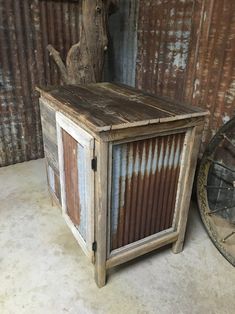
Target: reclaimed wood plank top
(109, 106)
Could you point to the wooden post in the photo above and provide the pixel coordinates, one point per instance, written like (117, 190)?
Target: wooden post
(85, 59)
(101, 213)
(188, 171)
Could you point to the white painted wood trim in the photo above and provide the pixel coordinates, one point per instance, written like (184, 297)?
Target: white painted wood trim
(87, 141)
(78, 237)
(79, 134)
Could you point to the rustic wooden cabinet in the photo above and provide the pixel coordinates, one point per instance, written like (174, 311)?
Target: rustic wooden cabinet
(121, 163)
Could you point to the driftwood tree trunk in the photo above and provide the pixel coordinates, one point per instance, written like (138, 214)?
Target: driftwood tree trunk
(85, 59)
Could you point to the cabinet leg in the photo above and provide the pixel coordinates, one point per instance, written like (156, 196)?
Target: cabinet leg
(101, 209)
(177, 247)
(100, 275)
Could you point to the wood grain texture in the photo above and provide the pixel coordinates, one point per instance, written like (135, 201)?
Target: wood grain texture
(106, 106)
(138, 249)
(101, 201)
(85, 59)
(48, 121)
(101, 116)
(185, 185)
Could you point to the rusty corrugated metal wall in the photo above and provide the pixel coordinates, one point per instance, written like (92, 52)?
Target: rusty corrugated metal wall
(211, 66)
(186, 51)
(26, 27)
(164, 31)
(123, 43)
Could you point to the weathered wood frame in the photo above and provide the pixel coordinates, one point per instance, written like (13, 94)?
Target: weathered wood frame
(79, 123)
(173, 228)
(174, 235)
(87, 141)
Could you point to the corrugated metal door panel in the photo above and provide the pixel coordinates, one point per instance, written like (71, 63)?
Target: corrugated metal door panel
(144, 186)
(75, 152)
(74, 158)
(71, 177)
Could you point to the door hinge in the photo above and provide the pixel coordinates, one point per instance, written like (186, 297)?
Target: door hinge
(94, 164)
(94, 246)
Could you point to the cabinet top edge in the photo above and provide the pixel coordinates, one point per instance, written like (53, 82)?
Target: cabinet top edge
(104, 107)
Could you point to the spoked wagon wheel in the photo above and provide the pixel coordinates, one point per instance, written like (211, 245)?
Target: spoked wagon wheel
(216, 190)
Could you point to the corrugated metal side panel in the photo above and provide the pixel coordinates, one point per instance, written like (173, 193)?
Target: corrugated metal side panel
(211, 74)
(164, 30)
(121, 59)
(144, 185)
(26, 27)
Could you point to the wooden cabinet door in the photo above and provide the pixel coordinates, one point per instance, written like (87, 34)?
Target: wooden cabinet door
(75, 148)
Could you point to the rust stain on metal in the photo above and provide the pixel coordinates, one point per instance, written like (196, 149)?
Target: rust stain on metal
(145, 175)
(186, 51)
(212, 82)
(71, 177)
(164, 30)
(26, 28)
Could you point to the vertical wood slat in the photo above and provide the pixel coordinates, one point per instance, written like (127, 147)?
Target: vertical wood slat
(185, 183)
(101, 200)
(144, 181)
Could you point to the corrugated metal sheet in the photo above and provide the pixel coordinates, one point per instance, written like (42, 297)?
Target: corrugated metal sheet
(122, 51)
(74, 160)
(26, 27)
(186, 51)
(71, 177)
(211, 73)
(144, 185)
(164, 30)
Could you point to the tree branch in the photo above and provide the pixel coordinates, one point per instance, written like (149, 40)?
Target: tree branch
(56, 56)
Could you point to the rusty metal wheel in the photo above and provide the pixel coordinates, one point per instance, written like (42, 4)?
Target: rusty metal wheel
(216, 190)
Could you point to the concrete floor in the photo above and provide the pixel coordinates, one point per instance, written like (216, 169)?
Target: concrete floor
(42, 269)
